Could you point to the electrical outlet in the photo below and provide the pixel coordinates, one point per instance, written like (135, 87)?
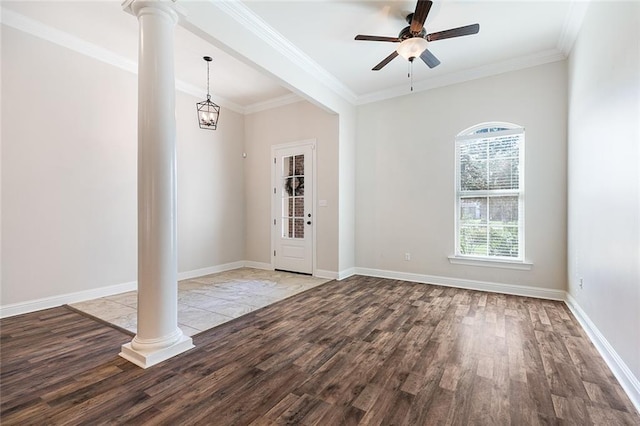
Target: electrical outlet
(407, 256)
(581, 283)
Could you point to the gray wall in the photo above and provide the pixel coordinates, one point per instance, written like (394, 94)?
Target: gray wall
(604, 176)
(405, 175)
(69, 148)
(290, 123)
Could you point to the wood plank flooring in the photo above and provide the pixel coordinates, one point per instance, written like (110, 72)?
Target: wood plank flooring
(361, 351)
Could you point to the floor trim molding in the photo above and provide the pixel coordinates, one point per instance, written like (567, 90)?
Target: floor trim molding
(344, 274)
(96, 293)
(187, 275)
(323, 273)
(514, 289)
(257, 265)
(619, 368)
(64, 299)
(517, 290)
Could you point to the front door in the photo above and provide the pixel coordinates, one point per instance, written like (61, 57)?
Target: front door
(293, 208)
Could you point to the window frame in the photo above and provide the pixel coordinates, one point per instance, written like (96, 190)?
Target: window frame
(464, 137)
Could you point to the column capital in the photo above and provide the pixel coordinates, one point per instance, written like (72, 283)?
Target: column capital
(161, 7)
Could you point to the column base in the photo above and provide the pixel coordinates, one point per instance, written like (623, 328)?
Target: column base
(146, 359)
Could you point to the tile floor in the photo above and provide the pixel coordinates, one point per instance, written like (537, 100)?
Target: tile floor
(208, 301)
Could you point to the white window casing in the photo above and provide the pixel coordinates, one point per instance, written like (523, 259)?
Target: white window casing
(489, 201)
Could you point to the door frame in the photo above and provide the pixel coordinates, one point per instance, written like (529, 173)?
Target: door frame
(314, 187)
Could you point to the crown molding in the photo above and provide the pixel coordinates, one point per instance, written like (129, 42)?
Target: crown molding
(249, 20)
(256, 25)
(61, 38)
(288, 99)
(509, 65)
(572, 25)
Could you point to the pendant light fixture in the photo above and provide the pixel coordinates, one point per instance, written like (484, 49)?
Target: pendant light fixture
(208, 112)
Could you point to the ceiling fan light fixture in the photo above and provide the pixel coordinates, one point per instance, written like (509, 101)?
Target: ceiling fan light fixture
(412, 47)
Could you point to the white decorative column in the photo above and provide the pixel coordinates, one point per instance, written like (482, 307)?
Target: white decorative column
(158, 337)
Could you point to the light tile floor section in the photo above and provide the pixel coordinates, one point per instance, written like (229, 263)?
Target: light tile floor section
(208, 301)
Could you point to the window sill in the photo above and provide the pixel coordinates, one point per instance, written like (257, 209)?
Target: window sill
(490, 263)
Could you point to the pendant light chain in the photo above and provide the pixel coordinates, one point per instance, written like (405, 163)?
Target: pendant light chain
(208, 95)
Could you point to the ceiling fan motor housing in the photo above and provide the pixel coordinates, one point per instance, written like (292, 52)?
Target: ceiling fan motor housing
(409, 18)
(406, 33)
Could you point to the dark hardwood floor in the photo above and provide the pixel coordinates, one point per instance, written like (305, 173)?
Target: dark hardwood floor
(361, 351)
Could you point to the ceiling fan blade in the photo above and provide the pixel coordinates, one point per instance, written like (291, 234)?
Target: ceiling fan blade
(429, 59)
(420, 15)
(377, 38)
(454, 32)
(385, 61)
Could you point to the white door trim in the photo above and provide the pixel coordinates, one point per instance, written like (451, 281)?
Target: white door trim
(314, 186)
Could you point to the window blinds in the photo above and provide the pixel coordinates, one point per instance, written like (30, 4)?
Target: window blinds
(489, 194)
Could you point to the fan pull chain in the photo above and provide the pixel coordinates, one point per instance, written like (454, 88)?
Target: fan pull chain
(411, 73)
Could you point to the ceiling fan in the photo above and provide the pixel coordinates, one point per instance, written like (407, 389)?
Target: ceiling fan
(414, 38)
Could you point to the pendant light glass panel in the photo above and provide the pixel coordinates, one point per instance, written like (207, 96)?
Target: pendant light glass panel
(208, 114)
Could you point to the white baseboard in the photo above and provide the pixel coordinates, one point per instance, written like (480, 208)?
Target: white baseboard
(258, 265)
(65, 299)
(518, 290)
(628, 381)
(187, 275)
(96, 293)
(329, 275)
(343, 275)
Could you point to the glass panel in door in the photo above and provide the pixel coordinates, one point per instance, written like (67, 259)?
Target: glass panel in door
(292, 182)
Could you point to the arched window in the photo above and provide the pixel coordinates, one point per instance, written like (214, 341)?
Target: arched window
(490, 192)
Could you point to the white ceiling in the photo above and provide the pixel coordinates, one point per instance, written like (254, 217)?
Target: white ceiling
(507, 30)
(513, 34)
